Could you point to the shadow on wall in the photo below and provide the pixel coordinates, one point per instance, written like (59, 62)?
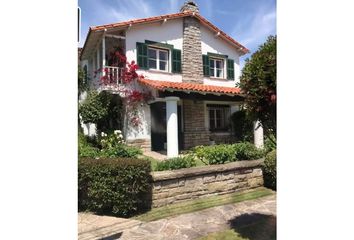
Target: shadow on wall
(255, 226)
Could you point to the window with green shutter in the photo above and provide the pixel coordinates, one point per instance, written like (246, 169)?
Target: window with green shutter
(142, 58)
(206, 65)
(230, 69)
(176, 61)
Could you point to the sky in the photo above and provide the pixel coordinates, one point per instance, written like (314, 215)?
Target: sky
(249, 22)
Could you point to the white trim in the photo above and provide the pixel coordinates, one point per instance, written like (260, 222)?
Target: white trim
(158, 50)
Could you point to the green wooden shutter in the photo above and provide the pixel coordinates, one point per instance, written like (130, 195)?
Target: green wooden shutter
(141, 55)
(206, 65)
(230, 69)
(176, 60)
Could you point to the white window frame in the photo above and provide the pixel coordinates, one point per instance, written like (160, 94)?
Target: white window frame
(158, 50)
(215, 68)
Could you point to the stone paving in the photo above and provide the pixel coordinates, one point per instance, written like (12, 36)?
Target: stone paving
(185, 226)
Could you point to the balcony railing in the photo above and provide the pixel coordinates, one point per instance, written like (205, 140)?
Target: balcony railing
(111, 75)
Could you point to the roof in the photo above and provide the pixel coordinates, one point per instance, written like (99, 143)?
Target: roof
(205, 22)
(192, 87)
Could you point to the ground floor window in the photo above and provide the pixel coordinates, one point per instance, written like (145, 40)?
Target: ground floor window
(218, 117)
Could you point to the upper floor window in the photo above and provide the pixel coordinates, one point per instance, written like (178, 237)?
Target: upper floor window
(158, 59)
(216, 67)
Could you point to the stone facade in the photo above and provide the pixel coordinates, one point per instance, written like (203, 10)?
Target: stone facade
(179, 185)
(144, 144)
(192, 62)
(222, 138)
(195, 132)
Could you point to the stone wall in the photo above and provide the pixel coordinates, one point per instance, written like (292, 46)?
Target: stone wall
(195, 132)
(185, 184)
(144, 144)
(222, 138)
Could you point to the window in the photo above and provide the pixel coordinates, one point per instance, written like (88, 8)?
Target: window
(218, 117)
(216, 68)
(158, 59)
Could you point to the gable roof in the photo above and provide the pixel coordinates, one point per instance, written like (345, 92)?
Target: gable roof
(239, 47)
(190, 87)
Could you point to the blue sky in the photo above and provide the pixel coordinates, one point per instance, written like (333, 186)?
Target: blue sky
(249, 22)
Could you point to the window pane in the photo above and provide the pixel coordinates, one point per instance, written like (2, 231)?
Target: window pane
(218, 113)
(152, 53)
(152, 64)
(163, 65)
(218, 64)
(212, 72)
(219, 73)
(218, 123)
(163, 55)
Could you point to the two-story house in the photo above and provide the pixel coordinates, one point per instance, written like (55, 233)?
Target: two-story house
(190, 68)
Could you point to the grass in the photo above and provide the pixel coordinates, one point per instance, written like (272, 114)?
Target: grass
(223, 235)
(200, 204)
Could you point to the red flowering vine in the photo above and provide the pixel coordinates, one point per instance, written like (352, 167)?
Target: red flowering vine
(126, 73)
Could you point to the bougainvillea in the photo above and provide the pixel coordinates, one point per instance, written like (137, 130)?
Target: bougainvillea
(125, 73)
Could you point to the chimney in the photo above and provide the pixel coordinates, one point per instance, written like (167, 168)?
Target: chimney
(192, 62)
(190, 6)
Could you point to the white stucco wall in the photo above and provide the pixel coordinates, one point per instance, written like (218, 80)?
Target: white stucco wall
(213, 44)
(170, 32)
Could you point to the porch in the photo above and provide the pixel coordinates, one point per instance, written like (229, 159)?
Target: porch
(182, 119)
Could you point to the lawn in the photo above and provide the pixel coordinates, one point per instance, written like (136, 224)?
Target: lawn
(200, 204)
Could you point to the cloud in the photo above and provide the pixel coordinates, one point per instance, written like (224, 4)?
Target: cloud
(254, 30)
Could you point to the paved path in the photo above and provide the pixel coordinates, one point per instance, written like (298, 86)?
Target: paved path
(187, 226)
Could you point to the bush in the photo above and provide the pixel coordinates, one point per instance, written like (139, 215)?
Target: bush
(121, 150)
(270, 170)
(115, 186)
(176, 163)
(85, 148)
(247, 151)
(215, 154)
(269, 145)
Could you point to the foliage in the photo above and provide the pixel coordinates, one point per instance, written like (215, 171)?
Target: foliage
(121, 151)
(116, 186)
(93, 108)
(114, 107)
(85, 148)
(258, 82)
(270, 143)
(176, 163)
(270, 170)
(223, 153)
(242, 125)
(247, 151)
(111, 140)
(215, 154)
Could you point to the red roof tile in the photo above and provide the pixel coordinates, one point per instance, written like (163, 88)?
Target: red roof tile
(223, 35)
(193, 87)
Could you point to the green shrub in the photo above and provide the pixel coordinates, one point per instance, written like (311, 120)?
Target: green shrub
(115, 186)
(270, 170)
(121, 150)
(247, 151)
(215, 154)
(176, 163)
(85, 148)
(269, 145)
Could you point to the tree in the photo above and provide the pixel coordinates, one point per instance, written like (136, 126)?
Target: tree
(258, 83)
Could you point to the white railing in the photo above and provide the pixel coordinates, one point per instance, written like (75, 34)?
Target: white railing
(109, 75)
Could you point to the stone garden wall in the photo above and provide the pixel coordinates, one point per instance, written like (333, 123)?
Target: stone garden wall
(185, 184)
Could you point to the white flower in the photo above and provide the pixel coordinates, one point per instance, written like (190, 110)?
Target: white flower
(116, 132)
(102, 134)
(120, 136)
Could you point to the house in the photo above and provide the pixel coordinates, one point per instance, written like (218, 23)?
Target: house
(190, 67)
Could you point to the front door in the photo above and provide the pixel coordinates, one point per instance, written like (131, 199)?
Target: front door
(159, 126)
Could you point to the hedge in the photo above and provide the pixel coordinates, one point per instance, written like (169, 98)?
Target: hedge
(116, 186)
(270, 170)
(176, 163)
